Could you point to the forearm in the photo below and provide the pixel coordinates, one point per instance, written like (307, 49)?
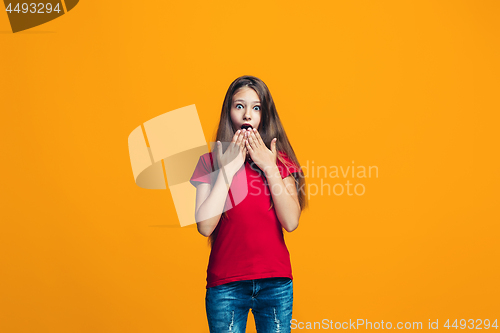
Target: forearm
(209, 213)
(287, 209)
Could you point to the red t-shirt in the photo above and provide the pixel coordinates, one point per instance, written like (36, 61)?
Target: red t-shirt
(249, 243)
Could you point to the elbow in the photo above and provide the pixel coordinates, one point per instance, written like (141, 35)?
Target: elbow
(292, 226)
(206, 225)
(204, 229)
(199, 226)
(204, 233)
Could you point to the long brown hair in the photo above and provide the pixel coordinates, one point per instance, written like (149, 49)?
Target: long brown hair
(270, 127)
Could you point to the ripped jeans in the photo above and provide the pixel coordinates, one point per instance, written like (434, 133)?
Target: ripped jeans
(270, 299)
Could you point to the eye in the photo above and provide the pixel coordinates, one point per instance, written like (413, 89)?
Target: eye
(238, 106)
(257, 108)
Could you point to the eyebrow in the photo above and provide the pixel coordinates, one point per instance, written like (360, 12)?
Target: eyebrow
(242, 100)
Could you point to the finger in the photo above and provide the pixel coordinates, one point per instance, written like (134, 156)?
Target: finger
(252, 140)
(259, 138)
(234, 140)
(235, 136)
(249, 147)
(240, 137)
(273, 146)
(243, 141)
(258, 142)
(255, 141)
(219, 151)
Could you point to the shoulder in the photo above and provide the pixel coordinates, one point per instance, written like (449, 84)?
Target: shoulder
(284, 155)
(286, 160)
(286, 165)
(205, 163)
(203, 170)
(207, 157)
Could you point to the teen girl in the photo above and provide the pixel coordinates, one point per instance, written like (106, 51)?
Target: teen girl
(247, 192)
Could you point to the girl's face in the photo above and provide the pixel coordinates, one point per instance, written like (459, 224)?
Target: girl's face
(246, 109)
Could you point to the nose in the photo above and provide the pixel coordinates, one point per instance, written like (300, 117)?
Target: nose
(247, 114)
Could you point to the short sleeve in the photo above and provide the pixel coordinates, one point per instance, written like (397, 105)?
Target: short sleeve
(288, 168)
(202, 171)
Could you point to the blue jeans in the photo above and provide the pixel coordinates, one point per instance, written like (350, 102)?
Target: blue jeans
(270, 299)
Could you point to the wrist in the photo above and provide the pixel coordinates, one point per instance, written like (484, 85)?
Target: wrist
(227, 172)
(271, 171)
(226, 176)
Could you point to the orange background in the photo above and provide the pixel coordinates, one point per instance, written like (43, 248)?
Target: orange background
(409, 87)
